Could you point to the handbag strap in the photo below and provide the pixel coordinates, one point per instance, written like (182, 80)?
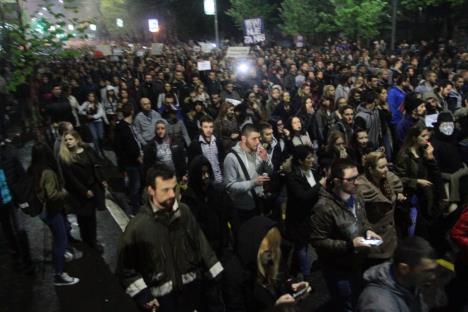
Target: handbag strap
(244, 170)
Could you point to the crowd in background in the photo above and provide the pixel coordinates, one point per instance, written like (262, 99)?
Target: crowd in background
(287, 151)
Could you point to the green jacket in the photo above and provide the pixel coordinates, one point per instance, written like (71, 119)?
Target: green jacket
(51, 193)
(162, 251)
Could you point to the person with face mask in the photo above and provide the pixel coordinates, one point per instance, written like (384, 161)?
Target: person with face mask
(251, 280)
(449, 157)
(396, 286)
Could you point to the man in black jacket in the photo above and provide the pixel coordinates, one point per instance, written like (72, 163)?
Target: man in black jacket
(129, 156)
(209, 146)
(163, 254)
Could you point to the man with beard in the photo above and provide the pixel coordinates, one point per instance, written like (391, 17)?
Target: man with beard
(163, 254)
(145, 121)
(209, 146)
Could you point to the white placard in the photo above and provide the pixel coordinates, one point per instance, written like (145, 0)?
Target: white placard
(203, 65)
(238, 52)
(117, 51)
(157, 48)
(430, 119)
(233, 101)
(206, 47)
(104, 48)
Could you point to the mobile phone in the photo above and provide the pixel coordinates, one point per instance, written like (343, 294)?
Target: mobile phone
(299, 293)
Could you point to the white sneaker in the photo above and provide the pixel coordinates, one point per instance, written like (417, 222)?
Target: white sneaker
(64, 280)
(73, 254)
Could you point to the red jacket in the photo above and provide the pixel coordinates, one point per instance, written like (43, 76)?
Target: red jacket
(460, 235)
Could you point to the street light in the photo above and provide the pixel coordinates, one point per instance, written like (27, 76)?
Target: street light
(153, 25)
(211, 9)
(119, 22)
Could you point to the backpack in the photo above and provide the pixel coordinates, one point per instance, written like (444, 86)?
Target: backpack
(25, 195)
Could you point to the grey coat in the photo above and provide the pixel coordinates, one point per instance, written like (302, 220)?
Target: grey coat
(238, 187)
(384, 294)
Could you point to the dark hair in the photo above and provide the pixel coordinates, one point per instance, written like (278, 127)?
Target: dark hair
(338, 167)
(127, 110)
(369, 96)
(345, 107)
(300, 152)
(412, 249)
(264, 125)
(445, 83)
(206, 118)
(42, 158)
(159, 170)
(247, 129)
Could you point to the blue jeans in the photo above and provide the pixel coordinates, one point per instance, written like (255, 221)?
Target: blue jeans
(344, 288)
(303, 256)
(58, 227)
(97, 132)
(133, 187)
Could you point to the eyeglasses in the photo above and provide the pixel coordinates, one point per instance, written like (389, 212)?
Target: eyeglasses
(352, 179)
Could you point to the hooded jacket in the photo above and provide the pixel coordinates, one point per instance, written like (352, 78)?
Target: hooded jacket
(242, 290)
(209, 206)
(384, 294)
(238, 187)
(372, 123)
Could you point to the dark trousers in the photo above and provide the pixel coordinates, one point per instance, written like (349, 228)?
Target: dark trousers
(344, 288)
(16, 237)
(87, 226)
(58, 228)
(186, 300)
(134, 187)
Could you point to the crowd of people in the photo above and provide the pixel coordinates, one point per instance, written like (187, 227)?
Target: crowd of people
(236, 175)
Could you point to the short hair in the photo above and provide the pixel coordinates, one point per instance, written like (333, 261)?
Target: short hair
(369, 96)
(445, 83)
(264, 125)
(248, 129)
(159, 170)
(206, 118)
(412, 249)
(342, 109)
(127, 110)
(169, 96)
(338, 167)
(300, 152)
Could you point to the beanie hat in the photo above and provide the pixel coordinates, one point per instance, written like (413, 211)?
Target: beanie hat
(411, 103)
(444, 116)
(428, 95)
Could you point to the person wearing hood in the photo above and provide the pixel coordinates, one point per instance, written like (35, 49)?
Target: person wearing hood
(396, 286)
(246, 170)
(208, 202)
(368, 117)
(338, 232)
(145, 121)
(176, 128)
(449, 157)
(163, 149)
(415, 111)
(251, 278)
(163, 255)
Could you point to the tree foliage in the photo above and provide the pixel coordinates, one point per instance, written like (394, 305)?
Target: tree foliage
(39, 39)
(305, 17)
(244, 9)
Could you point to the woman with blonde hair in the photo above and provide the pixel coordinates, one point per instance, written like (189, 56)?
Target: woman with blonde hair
(251, 277)
(85, 183)
(381, 189)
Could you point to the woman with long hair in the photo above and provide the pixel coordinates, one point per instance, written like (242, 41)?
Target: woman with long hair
(226, 126)
(307, 113)
(50, 192)
(84, 182)
(336, 146)
(360, 146)
(324, 118)
(381, 189)
(252, 276)
(298, 135)
(418, 170)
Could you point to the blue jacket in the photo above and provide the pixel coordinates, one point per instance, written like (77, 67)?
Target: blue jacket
(396, 99)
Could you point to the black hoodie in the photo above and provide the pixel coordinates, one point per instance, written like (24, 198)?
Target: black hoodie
(209, 206)
(242, 291)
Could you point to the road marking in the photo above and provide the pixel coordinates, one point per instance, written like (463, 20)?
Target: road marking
(446, 264)
(118, 214)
